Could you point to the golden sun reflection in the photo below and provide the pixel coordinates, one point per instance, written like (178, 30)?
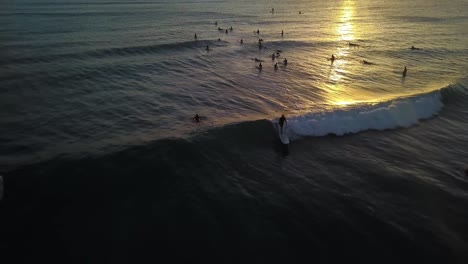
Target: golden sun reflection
(345, 26)
(343, 103)
(344, 30)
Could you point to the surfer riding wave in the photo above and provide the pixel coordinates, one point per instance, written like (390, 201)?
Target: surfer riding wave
(282, 121)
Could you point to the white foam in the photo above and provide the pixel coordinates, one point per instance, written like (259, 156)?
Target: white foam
(401, 112)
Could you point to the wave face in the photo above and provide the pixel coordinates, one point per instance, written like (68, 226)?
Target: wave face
(109, 53)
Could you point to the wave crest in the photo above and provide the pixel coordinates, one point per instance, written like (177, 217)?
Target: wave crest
(400, 112)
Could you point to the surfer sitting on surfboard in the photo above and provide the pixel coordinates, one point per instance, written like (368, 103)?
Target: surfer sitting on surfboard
(196, 118)
(282, 121)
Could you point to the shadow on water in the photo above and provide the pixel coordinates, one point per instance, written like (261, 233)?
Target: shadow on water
(280, 148)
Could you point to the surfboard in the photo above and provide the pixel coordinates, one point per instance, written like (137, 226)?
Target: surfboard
(282, 136)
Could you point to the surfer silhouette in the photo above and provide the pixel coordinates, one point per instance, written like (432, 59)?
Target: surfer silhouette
(404, 72)
(196, 118)
(282, 121)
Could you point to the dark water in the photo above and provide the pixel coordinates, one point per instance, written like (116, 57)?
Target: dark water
(232, 195)
(101, 163)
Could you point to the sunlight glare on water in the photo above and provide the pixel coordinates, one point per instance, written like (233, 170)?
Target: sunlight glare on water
(345, 23)
(117, 77)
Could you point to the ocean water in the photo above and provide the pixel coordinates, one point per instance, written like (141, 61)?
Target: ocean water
(101, 161)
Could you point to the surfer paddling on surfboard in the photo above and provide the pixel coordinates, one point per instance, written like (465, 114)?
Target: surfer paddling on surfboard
(282, 121)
